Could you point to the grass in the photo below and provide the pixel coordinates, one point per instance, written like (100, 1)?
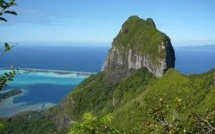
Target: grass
(141, 36)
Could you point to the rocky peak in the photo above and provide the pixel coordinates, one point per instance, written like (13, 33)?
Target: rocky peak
(150, 22)
(139, 44)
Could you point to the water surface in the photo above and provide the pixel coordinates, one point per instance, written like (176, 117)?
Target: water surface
(41, 90)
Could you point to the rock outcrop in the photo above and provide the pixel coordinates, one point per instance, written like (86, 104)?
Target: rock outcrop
(139, 44)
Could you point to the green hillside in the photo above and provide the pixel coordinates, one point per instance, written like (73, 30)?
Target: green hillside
(135, 104)
(130, 101)
(175, 98)
(97, 96)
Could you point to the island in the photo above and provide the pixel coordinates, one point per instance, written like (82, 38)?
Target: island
(10, 93)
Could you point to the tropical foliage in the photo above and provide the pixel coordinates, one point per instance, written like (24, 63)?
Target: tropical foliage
(141, 103)
(93, 125)
(5, 9)
(141, 36)
(28, 123)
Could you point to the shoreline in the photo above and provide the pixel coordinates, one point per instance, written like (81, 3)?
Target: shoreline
(79, 73)
(8, 102)
(8, 108)
(10, 93)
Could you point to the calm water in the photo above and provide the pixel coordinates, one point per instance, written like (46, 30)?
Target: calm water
(90, 58)
(192, 60)
(73, 58)
(43, 90)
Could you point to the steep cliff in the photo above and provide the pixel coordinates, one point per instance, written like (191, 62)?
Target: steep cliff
(139, 44)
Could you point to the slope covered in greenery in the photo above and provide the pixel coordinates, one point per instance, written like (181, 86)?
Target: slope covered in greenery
(99, 97)
(174, 98)
(136, 104)
(141, 35)
(131, 102)
(28, 123)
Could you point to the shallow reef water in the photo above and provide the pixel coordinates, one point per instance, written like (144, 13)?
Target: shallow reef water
(41, 88)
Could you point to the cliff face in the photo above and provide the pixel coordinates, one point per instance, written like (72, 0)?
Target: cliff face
(139, 44)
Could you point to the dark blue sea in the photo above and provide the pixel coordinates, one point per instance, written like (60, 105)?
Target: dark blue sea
(73, 58)
(194, 59)
(44, 89)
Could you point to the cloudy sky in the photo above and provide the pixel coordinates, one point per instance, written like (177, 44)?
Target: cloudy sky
(186, 22)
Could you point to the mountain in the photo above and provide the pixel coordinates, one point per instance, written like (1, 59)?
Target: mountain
(139, 44)
(138, 87)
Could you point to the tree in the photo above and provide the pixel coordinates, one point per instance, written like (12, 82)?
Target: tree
(93, 125)
(5, 5)
(175, 123)
(1, 126)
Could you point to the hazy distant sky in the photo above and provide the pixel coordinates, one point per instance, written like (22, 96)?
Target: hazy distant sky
(186, 22)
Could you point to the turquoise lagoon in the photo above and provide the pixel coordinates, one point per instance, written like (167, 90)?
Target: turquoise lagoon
(42, 89)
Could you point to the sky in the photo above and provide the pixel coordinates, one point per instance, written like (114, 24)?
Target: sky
(97, 22)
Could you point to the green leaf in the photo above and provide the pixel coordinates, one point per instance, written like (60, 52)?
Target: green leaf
(7, 47)
(1, 125)
(13, 3)
(106, 119)
(11, 12)
(3, 19)
(88, 117)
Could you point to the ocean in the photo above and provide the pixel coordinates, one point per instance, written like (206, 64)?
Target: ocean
(189, 60)
(195, 59)
(71, 58)
(42, 89)
(46, 88)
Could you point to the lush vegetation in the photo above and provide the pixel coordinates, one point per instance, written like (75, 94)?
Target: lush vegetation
(142, 103)
(93, 125)
(28, 123)
(142, 114)
(95, 95)
(5, 6)
(142, 36)
(9, 94)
